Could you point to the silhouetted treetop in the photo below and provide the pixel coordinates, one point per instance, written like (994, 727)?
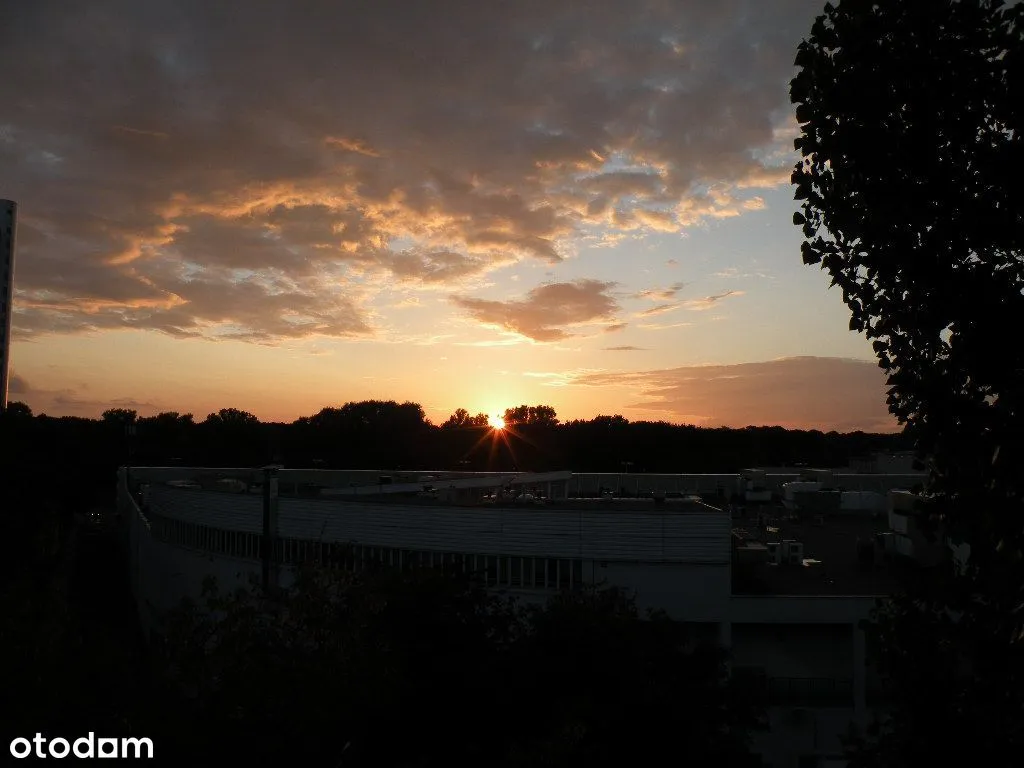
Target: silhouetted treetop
(119, 416)
(231, 417)
(16, 409)
(542, 415)
(461, 418)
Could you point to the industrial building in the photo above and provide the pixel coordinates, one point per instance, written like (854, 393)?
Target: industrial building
(782, 588)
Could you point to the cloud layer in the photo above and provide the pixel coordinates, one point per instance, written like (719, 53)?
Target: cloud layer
(797, 393)
(547, 312)
(258, 172)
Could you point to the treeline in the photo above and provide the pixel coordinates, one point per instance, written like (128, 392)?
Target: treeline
(389, 435)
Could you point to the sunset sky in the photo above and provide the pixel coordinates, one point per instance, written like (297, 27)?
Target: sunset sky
(282, 206)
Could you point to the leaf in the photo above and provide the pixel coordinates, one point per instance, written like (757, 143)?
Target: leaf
(809, 254)
(798, 218)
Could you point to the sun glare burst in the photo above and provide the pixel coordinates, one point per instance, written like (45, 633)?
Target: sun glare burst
(496, 422)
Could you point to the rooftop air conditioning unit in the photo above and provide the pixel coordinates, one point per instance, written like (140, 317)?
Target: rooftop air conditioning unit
(795, 555)
(774, 552)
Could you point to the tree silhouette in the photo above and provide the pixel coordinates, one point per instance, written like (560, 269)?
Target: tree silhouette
(16, 410)
(911, 137)
(232, 417)
(461, 418)
(119, 416)
(540, 415)
(346, 657)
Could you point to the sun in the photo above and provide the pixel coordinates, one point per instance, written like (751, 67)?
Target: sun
(496, 422)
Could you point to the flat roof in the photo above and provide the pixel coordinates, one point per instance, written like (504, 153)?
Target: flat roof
(831, 562)
(574, 504)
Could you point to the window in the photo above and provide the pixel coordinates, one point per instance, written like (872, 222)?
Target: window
(577, 574)
(516, 574)
(564, 574)
(491, 568)
(552, 569)
(538, 572)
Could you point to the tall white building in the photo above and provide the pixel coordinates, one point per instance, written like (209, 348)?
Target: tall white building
(8, 231)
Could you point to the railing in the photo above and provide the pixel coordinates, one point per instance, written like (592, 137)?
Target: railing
(495, 571)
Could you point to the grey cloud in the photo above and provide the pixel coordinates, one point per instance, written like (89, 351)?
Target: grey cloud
(255, 137)
(800, 392)
(16, 385)
(432, 266)
(71, 402)
(625, 348)
(547, 311)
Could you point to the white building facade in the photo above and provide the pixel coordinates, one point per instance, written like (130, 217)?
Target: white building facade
(8, 235)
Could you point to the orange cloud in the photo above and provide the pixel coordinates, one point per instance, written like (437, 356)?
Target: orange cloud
(547, 312)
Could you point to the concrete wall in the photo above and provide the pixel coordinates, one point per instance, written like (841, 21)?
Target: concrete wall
(687, 592)
(162, 574)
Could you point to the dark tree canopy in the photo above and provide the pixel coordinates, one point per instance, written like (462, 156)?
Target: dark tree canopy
(119, 416)
(422, 668)
(231, 417)
(531, 414)
(461, 418)
(910, 115)
(911, 147)
(16, 409)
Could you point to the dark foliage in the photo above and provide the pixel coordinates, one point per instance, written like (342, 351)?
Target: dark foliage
(911, 138)
(424, 668)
